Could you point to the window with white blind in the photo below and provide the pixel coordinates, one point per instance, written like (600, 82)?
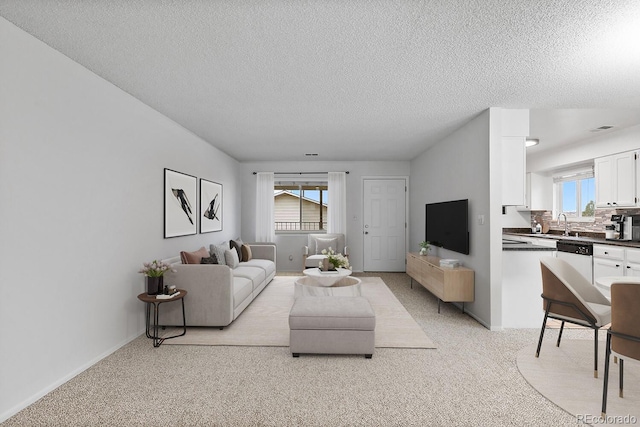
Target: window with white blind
(575, 194)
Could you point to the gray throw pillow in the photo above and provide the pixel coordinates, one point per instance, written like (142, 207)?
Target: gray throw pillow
(231, 257)
(209, 260)
(218, 251)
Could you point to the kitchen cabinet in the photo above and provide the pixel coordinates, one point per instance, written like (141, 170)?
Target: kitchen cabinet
(632, 262)
(615, 261)
(538, 193)
(615, 178)
(513, 170)
(606, 267)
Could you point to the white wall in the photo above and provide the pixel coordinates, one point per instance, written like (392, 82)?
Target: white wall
(458, 168)
(81, 178)
(291, 245)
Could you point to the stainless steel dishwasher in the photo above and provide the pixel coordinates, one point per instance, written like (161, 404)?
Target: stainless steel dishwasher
(579, 255)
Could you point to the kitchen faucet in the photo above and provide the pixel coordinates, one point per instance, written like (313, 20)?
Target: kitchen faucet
(566, 230)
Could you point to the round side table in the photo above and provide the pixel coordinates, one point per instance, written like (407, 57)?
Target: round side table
(153, 300)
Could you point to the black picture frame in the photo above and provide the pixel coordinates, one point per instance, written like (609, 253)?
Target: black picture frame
(211, 202)
(180, 204)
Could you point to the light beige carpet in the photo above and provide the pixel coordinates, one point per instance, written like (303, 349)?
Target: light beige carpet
(564, 375)
(266, 321)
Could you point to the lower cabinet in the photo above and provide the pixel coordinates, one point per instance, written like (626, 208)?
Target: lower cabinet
(447, 284)
(611, 261)
(607, 267)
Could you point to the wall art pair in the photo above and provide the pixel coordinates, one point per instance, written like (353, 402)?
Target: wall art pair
(183, 210)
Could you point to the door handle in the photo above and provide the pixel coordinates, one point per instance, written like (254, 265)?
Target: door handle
(366, 232)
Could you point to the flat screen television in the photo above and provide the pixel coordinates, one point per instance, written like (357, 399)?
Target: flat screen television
(447, 225)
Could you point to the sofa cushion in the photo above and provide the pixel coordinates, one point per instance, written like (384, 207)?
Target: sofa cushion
(268, 266)
(237, 246)
(314, 260)
(256, 274)
(218, 251)
(326, 243)
(242, 288)
(246, 253)
(231, 258)
(194, 257)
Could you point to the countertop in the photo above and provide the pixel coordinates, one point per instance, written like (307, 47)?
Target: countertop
(596, 240)
(524, 247)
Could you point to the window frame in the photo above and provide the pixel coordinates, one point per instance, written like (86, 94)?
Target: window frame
(574, 175)
(319, 185)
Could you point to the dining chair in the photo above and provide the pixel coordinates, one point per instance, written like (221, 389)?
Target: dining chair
(623, 336)
(569, 297)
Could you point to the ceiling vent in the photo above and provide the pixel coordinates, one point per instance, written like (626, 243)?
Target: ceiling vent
(601, 128)
(311, 154)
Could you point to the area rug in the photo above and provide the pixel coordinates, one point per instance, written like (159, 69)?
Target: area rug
(266, 321)
(564, 375)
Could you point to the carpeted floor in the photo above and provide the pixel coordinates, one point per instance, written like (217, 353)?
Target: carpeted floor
(265, 322)
(471, 379)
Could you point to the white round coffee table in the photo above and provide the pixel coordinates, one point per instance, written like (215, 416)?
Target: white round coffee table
(327, 278)
(345, 287)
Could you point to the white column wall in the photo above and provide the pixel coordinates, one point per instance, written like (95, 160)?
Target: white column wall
(458, 168)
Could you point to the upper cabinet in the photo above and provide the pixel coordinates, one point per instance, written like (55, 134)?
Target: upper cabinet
(538, 193)
(514, 130)
(513, 170)
(615, 178)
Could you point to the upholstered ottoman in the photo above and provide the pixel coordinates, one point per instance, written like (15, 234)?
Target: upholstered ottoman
(332, 325)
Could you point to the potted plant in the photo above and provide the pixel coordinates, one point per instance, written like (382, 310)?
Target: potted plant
(424, 247)
(154, 275)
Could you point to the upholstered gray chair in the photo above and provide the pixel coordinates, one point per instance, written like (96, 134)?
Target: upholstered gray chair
(623, 337)
(569, 297)
(312, 253)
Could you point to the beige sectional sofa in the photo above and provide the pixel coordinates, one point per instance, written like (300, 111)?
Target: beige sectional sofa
(217, 294)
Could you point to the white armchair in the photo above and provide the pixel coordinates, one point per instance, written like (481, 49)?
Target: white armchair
(312, 253)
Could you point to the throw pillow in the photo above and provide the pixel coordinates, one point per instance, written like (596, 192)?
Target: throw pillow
(209, 260)
(194, 257)
(237, 246)
(231, 257)
(326, 243)
(246, 253)
(218, 251)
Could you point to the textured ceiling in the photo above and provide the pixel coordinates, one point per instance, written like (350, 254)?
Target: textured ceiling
(349, 80)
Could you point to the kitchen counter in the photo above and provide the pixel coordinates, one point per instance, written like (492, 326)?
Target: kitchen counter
(522, 246)
(597, 240)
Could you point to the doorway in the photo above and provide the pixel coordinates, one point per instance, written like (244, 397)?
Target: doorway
(384, 224)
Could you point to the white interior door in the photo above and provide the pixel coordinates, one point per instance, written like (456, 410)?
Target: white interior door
(384, 222)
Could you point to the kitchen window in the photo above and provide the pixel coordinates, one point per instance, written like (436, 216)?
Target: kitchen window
(575, 195)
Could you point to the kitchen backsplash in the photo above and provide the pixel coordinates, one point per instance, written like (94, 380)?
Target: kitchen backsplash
(602, 218)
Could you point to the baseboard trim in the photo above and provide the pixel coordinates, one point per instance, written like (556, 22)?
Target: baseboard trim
(40, 394)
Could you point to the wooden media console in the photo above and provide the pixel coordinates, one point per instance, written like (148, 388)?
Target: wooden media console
(447, 284)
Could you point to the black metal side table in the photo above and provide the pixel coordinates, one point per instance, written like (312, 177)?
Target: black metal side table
(152, 300)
